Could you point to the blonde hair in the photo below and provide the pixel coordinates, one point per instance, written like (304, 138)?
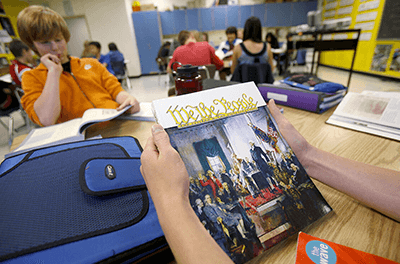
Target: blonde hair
(38, 23)
(196, 35)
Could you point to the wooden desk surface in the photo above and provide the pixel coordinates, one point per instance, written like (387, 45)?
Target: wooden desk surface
(350, 224)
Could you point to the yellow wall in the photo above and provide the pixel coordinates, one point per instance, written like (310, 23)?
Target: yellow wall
(12, 8)
(365, 49)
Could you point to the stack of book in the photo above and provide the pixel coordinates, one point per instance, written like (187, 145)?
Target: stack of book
(305, 92)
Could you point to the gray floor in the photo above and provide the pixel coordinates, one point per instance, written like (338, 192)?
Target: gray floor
(149, 88)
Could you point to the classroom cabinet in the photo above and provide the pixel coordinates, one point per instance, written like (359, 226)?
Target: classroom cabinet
(220, 17)
(148, 39)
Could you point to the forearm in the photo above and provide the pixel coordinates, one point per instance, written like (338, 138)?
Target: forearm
(188, 239)
(48, 107)
(375, 187)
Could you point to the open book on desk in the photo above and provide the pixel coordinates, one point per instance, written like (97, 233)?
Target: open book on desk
(371, 112)
(69, 131)
(246, 185)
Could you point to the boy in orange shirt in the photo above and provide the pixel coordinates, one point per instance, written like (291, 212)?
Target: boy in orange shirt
(62, 88)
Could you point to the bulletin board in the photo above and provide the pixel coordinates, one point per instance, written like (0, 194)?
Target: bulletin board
(378, 50)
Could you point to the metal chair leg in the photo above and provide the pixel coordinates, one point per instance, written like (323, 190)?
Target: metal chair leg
(10, 130)
(128, 82)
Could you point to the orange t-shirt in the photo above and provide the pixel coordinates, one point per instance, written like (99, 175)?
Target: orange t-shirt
(92, 85)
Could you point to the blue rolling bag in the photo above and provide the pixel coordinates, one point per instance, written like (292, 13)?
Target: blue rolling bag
(80, 202)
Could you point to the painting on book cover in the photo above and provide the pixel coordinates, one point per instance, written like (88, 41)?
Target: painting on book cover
(246, 185)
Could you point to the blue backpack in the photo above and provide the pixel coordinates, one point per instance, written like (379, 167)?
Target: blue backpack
(80, 202)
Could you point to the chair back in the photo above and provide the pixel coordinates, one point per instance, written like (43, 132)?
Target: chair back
(256, 72)
(207, 71)
(119, 68)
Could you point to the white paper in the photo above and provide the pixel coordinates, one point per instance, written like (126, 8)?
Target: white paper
(340, 36)
(345, 10)
(330, 13)
(4, 36)
(368, 6)
(208, 105)
(365, 26)
(346, 2)
(367, 16)
(365, 36)
(331, 5)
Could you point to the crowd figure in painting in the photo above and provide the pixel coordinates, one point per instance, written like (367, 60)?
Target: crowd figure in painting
(226, 202)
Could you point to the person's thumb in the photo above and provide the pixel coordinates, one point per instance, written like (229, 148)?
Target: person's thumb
(274, 110)
(160, 137)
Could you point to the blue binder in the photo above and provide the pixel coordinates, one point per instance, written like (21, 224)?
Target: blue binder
(80, 202)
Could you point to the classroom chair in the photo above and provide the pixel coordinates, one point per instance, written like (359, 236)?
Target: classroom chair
(8, 114)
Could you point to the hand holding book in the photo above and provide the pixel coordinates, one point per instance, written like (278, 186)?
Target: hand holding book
(168, 183)
(345, 175)
(163, 169)
(296, 141)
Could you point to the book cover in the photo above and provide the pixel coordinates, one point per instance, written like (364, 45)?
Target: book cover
(313, 250)
(246, 185)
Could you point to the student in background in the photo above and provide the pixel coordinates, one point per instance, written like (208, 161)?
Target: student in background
(86, 50)
(272, 40)
(95, 49)
(117, 61)
(253, 46)
(63, 87)
(240, 34)
(204, 37)
(193, 52)
(196, 35)
(229, 44)
(225, 49)
(23, 62)
(168, 183)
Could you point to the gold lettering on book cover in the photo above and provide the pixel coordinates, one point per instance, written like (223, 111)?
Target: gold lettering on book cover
(192, 115)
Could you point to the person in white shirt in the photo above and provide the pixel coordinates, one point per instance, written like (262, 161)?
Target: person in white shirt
(225, 49)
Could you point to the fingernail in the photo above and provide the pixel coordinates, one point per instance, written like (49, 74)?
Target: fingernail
(157, 128)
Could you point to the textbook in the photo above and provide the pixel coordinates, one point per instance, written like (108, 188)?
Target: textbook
(313, 101)
(311, 250)
(145, 113)
(370, 112)
(69, 131)
(246, 185)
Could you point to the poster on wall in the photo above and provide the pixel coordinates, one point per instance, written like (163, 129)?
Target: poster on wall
(2, 12)
(6, 24)
(380, 58)
(395, 65)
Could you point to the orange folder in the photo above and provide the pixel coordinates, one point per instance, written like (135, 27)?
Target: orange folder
(312, 250)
